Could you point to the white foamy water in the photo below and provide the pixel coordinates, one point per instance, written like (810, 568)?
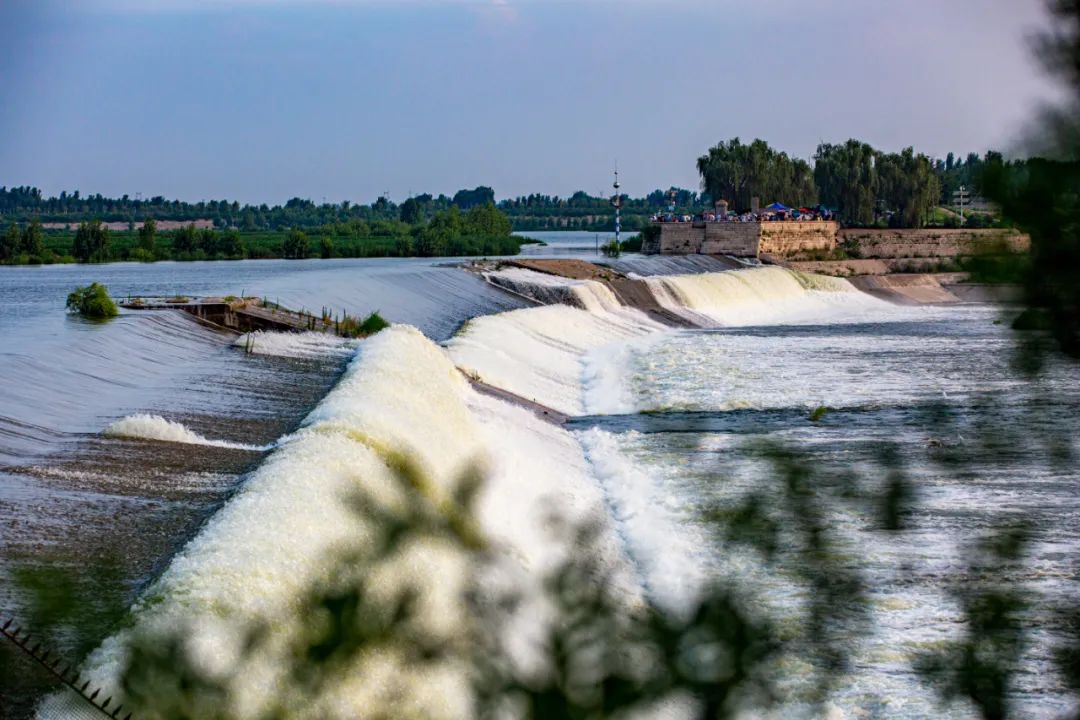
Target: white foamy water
(785, 343)
(294, 345)
(539, 353)
(572, 359)
(154, 427)
(553, 290)
(259, 553)
(848, 366)
(762, 296)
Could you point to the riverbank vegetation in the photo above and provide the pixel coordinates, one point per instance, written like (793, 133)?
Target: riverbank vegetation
(481, 231)
(863, 185)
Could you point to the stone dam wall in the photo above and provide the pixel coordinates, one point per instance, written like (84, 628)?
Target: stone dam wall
(809, 240)
(743, 239)
(929, 242)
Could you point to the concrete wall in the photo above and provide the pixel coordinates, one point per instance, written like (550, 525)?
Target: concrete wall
(929, 242)
(800, 240)
(744, 239)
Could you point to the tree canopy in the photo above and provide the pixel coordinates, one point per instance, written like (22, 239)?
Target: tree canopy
(737, 173)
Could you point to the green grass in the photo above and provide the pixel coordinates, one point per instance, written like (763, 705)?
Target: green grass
(355, 328)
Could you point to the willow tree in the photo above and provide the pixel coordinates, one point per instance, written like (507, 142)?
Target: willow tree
(846, 178)
(908, 187)
(738, 173)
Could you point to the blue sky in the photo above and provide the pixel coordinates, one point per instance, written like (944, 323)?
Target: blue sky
(263, 100)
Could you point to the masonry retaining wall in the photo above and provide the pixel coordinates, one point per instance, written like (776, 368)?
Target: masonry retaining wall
(744, 239)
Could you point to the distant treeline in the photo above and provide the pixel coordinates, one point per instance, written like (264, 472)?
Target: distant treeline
(483, 230)
(865, 186)
(862, 185)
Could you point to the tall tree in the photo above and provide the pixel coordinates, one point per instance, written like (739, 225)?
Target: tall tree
(410, 211)
(846, 179)
(909, 187)
(148, 235)
(738, 173)
(9, 243)
(486, 220)
(186, 240)
(466, 199)
(92, 242)
(33, 240)
(295, 246)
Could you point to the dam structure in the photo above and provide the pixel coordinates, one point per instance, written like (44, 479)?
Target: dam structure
(650, 378)
(803, 240)
(743, 239)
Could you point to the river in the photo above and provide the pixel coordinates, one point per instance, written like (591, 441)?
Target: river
(661, 419)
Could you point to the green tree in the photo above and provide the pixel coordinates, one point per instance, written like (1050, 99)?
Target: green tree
(185, 240)
(148, 235)
(232, 244)
(92, 242)
(846, 179)
(295, 246)
(908, 187)
(326, 247)
(486, 220)
(738, 173)
(445, 228)
(9, 243)
(209, 242)
(411, 212)
(466, 199)
(92, 301)
(33, 241)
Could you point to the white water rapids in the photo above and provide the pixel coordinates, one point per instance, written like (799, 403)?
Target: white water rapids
(793, 342)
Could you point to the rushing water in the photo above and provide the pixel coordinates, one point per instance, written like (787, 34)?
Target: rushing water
(119, 439)
(156, 419)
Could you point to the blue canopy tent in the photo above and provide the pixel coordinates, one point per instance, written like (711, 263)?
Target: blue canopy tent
(778, 207)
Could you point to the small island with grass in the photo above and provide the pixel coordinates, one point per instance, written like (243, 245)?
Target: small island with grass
(92, 302)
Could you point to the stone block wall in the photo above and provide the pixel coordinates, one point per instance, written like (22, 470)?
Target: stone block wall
(681, 238)
(744, 239)
(787, 239)
(802, 240)
(929, 242)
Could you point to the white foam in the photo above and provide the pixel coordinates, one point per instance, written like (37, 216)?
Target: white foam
(762, 296)
(553, 289)
(665, 548)
(295, 345)
(260, 552)
(154, 427)
(538, 353)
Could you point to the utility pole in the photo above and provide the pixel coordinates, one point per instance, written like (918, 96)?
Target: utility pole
(617, 202)
(960, 198)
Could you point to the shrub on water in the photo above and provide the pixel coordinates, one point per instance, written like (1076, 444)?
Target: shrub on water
(92, 301)
(373, 323)
(353, 327)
